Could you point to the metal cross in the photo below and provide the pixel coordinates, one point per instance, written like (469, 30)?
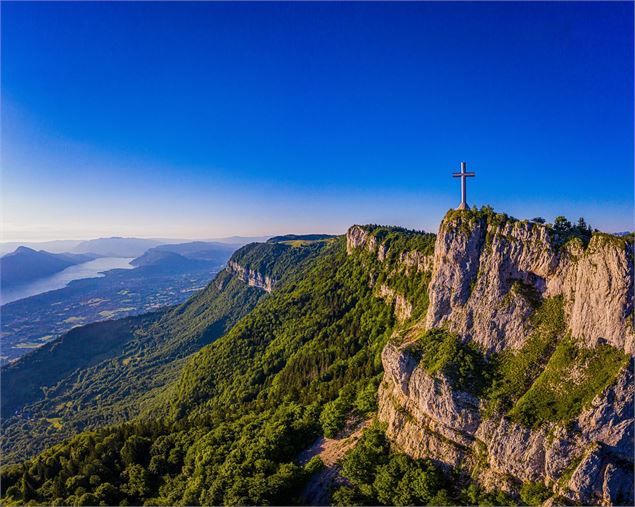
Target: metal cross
(463, 174)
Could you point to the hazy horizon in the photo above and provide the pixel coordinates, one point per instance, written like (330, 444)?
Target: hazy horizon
(208, 120)
(157, 238)
(258, 235)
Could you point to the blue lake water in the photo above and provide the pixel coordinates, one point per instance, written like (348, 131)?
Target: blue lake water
(90, 269)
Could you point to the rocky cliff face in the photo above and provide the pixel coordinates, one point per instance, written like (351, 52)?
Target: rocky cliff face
(389, 264)
(489, 273)
(251, 277)
(588, 461)
(408, 260)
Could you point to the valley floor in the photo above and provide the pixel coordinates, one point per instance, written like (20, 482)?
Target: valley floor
(118, 294)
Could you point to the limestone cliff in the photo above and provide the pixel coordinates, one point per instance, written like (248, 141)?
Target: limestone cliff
(252, 277)
(264, 265)
(399, 265)
(486, 274)
(588, 460)
(489, 273)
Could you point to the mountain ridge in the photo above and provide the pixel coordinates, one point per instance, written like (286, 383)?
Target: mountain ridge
(519, 292)
(25, 264)
(172, 335)
(372, 325)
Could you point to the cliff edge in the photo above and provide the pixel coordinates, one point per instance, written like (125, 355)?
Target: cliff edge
(520, 370)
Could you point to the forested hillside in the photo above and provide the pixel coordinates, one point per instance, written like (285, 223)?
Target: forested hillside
(112, 371)
(243, 407)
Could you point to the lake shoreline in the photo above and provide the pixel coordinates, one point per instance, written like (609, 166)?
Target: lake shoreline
(96, 268)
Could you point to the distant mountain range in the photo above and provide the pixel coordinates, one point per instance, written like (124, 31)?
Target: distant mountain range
(214, 251)
(161, 258)
(55, 246)
(26, 264)
(116, 247)
(185, 256)
(121, 247)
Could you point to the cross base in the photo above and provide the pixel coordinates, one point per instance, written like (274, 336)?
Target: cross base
(463, 175)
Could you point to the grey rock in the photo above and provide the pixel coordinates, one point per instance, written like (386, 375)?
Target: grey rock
(251, 277)
(481, 277)
(476, 267)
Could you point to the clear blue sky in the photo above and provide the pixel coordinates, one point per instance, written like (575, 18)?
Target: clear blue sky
(212, 119)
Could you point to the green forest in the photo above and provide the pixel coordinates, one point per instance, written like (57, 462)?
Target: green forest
(229, 428)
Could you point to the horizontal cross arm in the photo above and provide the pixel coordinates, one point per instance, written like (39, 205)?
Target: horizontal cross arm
(458, 175)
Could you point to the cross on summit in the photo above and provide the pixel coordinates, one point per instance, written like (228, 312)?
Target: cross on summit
(463, 174)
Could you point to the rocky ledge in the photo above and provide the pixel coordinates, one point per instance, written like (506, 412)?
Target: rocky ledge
(488, 273)
(251, 277)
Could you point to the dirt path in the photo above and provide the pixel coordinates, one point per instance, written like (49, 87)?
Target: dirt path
(331, 450)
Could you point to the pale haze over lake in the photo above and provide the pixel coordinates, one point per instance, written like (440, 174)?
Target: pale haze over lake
(90, 269)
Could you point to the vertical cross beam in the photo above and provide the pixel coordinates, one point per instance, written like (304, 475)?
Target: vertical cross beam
(463, 174)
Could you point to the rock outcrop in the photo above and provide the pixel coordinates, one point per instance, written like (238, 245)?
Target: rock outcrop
(489, 273)
(358, 237)
(426, 417)
(486, 275)
(404, 262)
(409, 261)
(251, 277)
(401, 306)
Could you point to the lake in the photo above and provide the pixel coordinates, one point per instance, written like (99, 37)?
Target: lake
(90, 269)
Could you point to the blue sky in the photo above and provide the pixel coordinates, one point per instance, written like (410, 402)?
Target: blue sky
(209, 119)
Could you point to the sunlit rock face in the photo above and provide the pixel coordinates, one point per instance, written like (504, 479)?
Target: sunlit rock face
(251, 277)
(425, 417)
(486, 281)
(408, 263)
(485, 276)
